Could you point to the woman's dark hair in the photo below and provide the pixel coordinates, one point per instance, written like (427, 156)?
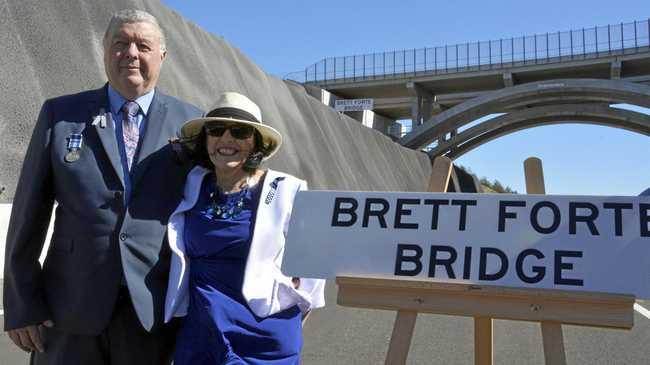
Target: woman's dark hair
(196, 149)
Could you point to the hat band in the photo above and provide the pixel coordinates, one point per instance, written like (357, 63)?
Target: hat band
(233, 113)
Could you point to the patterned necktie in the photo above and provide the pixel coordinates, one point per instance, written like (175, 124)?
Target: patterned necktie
(130, 130)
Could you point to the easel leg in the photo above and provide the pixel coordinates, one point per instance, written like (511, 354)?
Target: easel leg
(400, 341)
(440, 174)
(553, 343)
(551, 331)
(482, 341)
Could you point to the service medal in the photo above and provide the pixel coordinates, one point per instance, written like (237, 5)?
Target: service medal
(72, 156)
(75, 141)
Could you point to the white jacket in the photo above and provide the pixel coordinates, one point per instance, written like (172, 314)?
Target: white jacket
(266, 290)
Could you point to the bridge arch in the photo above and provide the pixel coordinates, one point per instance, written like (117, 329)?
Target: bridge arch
(599, 114)
(530, 105)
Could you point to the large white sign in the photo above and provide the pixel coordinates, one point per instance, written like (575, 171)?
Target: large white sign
(353, 105)
(587, 243)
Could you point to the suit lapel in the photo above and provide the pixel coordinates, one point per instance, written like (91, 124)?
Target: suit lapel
(98, 109)
(156, 128)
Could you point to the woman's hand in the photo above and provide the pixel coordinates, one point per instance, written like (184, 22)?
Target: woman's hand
(296, 285)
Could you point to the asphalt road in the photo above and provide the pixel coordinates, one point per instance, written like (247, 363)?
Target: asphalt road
(338, 335)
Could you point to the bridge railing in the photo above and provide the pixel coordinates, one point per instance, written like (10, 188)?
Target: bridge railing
(585, 43)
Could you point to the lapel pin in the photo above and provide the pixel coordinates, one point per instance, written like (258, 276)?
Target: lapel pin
(100, 119)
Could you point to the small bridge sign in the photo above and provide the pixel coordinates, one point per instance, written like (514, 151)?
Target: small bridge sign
(353, 105)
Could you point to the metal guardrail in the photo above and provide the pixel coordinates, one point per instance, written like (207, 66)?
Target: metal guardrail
(585, 43)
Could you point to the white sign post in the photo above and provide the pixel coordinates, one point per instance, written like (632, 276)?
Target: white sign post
(585, 243)
(353, 105)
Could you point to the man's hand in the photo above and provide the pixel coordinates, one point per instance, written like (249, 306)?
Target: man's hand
(29, 338)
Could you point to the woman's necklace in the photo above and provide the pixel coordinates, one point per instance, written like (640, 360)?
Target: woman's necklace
(231, 206)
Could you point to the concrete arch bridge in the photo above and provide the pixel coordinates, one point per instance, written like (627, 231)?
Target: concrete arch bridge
(454, 131)
(528, 81)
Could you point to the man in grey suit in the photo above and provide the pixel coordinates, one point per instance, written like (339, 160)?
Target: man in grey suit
(103, 156)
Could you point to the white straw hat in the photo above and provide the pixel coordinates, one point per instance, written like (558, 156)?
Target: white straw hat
(233, 107)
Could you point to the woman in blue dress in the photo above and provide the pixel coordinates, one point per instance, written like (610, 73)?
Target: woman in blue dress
(227, 239)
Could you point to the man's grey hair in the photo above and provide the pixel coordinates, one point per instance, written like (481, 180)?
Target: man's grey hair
(133, 16)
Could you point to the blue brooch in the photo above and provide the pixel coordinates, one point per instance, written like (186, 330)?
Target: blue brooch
(274, 188)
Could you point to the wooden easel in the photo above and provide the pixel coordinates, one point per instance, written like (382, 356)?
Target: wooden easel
(551, 308)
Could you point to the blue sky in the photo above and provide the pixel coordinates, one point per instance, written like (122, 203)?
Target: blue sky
(287, 36)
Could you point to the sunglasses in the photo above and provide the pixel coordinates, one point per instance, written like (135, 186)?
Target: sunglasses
(237, 131)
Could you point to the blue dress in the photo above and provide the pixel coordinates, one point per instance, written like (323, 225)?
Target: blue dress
(219, 327)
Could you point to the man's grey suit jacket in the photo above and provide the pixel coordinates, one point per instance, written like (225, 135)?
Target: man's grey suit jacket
(96, 236)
